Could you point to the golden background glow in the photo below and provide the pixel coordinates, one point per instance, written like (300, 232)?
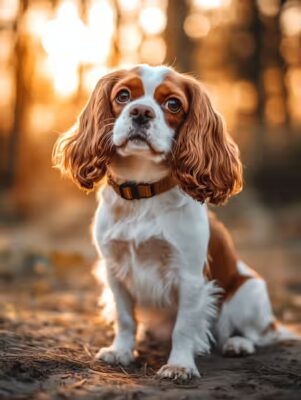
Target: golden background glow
(52, 53)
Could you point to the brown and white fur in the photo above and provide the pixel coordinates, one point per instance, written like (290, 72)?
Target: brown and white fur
(167, 253)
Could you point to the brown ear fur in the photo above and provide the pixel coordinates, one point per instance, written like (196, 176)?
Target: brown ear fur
(85, 151)
(205, 159)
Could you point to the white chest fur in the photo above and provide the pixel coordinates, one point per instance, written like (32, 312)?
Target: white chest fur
(149, 270)
(146, 243)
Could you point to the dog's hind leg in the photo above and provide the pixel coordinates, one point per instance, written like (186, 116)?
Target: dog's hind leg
(246, 320)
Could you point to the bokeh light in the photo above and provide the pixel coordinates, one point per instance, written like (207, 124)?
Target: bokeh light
(293, 81)
(36, 18)
(211, 4)
(153, 51)
(152, 20)
(6, 46)
(245, 97)
(130, 39)
(100, 31)
(197, 26)
(290, 20)
(129, 5)
(92, 76)
(69, 42)
(275, 110)
(63, 37)
(9, 9)
(269, 8)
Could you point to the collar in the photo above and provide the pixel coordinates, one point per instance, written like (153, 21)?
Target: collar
(136, 191)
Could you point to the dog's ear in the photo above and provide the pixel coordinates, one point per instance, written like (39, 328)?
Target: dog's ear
(84, 152)
(205, 159)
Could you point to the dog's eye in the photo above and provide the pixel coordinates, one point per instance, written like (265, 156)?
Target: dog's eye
(123, 96)
(173, 105)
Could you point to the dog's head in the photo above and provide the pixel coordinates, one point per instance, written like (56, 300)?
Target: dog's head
(159, 114)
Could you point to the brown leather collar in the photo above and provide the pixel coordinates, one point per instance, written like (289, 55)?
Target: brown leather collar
(137, 191)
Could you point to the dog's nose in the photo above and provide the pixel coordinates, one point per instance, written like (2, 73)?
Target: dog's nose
(141, 115)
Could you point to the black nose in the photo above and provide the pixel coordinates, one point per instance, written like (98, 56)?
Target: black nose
(141, 115)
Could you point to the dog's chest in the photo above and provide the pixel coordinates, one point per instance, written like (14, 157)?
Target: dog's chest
(147, 244)
(149, 269)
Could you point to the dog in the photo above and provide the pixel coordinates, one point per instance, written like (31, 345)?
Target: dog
(153, 138)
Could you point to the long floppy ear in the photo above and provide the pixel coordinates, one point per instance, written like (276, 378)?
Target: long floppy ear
(205, 159)
(84, 152)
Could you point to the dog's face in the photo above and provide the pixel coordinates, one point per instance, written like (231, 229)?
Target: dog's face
(159, 114)
(149, 104)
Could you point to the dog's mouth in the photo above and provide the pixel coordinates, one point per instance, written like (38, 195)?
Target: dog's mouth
(138, 138)
(139, 141)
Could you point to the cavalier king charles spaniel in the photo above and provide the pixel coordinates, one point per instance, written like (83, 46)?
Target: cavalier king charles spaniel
(153, 137)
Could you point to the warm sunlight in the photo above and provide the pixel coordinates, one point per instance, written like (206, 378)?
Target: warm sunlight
(152, 20)
(211, 4)
(106, 300)
(69, 42)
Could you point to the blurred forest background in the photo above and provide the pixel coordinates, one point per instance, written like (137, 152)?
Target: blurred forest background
(52, 52)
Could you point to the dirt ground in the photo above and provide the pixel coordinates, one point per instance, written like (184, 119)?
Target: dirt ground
(51, 328)
(50, 324)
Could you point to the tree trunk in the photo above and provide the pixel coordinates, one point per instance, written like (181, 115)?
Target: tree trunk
(179, 46)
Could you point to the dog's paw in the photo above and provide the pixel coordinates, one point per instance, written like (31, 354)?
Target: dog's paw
(115, 357)
(237, 346)
(177, 372)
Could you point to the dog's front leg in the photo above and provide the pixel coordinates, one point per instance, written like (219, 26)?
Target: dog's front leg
(121, 350)
(191, 333)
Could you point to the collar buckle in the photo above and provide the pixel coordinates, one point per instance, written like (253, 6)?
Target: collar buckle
(129, 191)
